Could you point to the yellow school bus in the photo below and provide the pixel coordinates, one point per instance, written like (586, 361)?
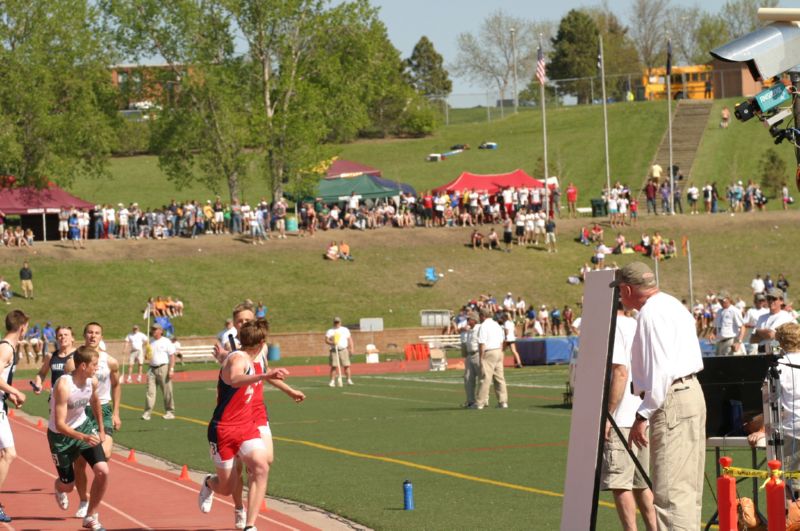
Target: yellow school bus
(686, 82)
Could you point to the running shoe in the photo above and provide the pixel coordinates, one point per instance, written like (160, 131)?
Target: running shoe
(240, 518)
(332, 384)
(349, 382)
(146, 415)
(3, 516)
(250, 528)
(206, 496)
(169, 415)
(62, 500)
(92, 522)
(83, 509)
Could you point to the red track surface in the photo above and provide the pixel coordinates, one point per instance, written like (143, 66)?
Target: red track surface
(138, 497)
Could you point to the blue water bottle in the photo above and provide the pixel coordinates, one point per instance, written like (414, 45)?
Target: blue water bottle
(408, 496)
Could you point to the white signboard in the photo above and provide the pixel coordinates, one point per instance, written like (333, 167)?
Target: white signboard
(581, 488)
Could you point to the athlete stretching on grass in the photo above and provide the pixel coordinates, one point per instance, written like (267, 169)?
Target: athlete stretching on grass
(72, 434)
(107, 376)
(233, 431)
(16, 326)
(244, 313)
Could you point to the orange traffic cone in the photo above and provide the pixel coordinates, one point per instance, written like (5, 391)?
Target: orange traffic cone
(184, 474)
(40, 424)
(263, 507)
(131, 456)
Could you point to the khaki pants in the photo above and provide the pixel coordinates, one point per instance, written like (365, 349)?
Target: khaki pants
(492, 371)
(27, 288)
(158, 376)
(472, 372)
(677, 456)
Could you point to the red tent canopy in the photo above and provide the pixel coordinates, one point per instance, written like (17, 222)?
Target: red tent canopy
(26, 200)
(491, 183)
(347, 168)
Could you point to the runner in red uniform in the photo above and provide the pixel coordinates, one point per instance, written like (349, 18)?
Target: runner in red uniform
(245, 313)
(232, 432)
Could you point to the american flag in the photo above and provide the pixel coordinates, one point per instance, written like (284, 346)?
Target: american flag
(541, 74)
(669, 57)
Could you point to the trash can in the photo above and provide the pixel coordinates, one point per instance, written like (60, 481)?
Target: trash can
(599, 208)
(274, 352)
(291, 224)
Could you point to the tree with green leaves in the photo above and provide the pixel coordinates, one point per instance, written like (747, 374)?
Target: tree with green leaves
(575, 48)
(711, 32)
(648, 20)
(57, 105)
(773, 171)
(620, 57)
(427, 71)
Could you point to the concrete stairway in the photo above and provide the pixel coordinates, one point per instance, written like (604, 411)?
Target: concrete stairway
(689, 122)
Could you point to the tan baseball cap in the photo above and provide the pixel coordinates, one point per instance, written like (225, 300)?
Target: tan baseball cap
(635, 274)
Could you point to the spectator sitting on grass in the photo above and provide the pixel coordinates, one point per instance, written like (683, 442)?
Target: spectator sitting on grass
(596, 234)
(344, 251)
(477, 239)
(332, 253)
(5, 291)
(584, 237)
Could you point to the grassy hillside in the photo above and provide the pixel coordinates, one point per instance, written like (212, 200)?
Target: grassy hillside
(732, 154)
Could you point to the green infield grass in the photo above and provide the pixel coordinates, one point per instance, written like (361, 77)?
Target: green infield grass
(349, 450)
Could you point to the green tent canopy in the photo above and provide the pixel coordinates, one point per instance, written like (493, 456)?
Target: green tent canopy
(333, 190)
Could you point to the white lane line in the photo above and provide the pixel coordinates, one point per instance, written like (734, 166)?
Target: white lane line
(104, 504)
(147, 472)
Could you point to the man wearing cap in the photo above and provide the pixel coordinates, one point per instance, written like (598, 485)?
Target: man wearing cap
(340, 343)
(764, 332)
(727, 326)
(471, 354)
(134, 345)
(490, 348)
(162, 365)
(751, 319)
(665, 359)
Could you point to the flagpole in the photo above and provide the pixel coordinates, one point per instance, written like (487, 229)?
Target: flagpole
(669, 127)
(605, 114)
(542, 79)
(691, 285)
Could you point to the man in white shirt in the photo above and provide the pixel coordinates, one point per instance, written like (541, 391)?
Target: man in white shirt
(508, 302)
(757, 284)
(134, 344)
(764, 332)
(665, 359)
(728, 324)
(751, 319)
(619, 474)
(490, 347)
(162, 367)
(470, 351)
(340, 343)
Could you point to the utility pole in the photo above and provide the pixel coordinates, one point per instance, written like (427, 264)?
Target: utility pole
(514, 60)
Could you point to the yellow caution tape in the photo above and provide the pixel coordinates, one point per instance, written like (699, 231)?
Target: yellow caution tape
(738, 472)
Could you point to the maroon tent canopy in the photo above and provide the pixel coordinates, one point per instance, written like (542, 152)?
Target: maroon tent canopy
(50, 200)
(347, 168)
(491, 183)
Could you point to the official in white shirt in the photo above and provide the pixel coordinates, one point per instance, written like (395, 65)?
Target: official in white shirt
(490, 346)
(619, 474)
(665, 360)
(727, 326)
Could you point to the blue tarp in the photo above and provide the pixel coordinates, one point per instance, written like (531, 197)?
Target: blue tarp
(388, 183)
(546, 351)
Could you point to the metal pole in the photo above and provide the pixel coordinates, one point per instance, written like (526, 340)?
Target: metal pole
(655, 262)
(605, 114)
(691, 285)
(669, 132)
(44, 226)
(446, 111)
(514, 58)
(488, 111)
(544, 136)
(591, 85)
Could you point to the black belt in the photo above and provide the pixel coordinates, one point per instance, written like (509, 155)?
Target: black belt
(684, 379)
(157, 366)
